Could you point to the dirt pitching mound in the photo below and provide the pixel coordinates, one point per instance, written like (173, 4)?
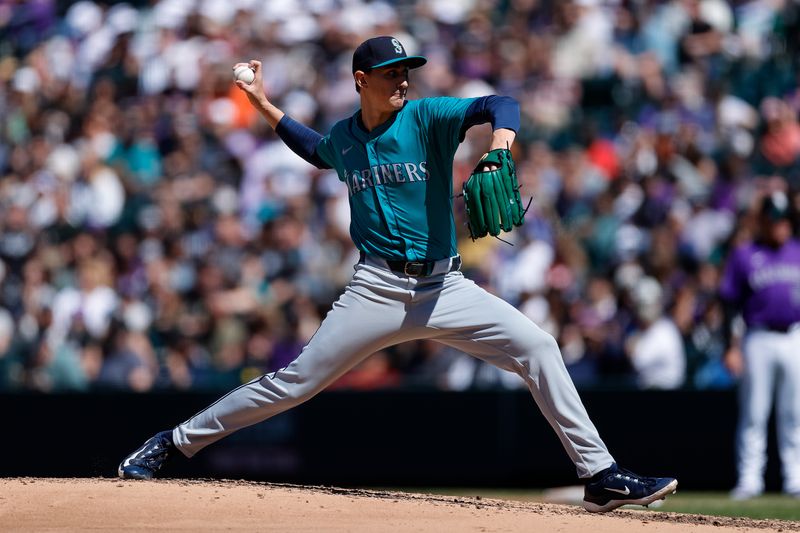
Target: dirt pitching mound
(35, 504)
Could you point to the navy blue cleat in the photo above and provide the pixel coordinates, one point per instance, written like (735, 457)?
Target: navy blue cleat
(148, 459)
(615, 487)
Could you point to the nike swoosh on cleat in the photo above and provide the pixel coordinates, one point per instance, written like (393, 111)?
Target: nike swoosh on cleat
(623, 492)
(128, 459)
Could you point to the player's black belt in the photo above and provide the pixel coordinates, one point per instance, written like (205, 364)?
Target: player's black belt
(415, 269)
(781, 328)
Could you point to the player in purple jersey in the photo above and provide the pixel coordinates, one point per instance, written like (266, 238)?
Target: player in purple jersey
(761, 283)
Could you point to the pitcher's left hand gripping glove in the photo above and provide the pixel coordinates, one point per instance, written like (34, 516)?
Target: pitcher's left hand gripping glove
(492, 198)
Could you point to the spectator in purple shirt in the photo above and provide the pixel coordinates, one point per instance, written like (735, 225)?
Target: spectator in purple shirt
(761, 282)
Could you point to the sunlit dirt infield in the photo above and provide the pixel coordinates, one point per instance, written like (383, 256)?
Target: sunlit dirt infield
(37, 504)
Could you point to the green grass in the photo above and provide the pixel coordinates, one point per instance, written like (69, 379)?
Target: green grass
(772, 506)
(776, 506)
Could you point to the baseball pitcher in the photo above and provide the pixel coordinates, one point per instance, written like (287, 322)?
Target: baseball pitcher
(395, 156)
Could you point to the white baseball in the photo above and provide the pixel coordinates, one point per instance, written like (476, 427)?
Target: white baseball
(244, 73)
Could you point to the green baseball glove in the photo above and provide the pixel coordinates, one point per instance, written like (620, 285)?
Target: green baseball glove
(492, 198)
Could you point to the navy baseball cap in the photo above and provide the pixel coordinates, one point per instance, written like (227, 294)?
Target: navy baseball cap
(381, 52)
(775, 206)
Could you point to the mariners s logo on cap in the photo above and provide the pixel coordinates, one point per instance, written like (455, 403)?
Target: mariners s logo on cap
(381, 52)
(397, 46)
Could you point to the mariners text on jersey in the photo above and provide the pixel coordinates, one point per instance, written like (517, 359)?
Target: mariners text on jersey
(358, 180)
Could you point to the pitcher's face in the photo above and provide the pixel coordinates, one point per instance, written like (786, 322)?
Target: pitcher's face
(386, 88)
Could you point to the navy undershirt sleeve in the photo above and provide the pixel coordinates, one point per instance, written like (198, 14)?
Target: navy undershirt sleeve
(301, 139)
(501, 111)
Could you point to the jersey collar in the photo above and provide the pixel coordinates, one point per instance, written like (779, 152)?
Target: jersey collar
(360, 130)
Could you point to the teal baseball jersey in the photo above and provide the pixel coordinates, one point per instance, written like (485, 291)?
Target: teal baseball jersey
(400, 178)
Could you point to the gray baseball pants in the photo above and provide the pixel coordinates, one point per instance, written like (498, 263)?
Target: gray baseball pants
(379, 309)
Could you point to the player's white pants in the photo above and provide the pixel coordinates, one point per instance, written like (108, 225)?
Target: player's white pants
(771, 365)
(379, 309)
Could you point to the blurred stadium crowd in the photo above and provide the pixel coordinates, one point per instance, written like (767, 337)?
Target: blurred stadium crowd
(155, 234)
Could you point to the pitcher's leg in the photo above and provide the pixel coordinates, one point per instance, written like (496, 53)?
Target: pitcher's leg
(359, 324)
(485, 326)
